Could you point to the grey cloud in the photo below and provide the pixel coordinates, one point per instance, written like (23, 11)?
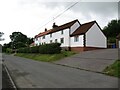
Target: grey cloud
(100, 8)
(103, 8)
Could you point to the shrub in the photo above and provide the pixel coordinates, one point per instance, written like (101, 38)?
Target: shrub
(52, 48)
(8, 50)
(34, 49)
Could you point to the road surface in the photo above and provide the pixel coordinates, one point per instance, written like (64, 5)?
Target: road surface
(33, 74)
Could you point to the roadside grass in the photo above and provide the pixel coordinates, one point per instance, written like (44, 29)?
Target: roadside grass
(113, 70)
(46, 57)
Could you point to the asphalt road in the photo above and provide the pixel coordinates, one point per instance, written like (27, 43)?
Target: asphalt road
(6, 82)
(33, 74)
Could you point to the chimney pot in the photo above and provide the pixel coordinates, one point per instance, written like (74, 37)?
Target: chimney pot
(54, 25)
(45, 29)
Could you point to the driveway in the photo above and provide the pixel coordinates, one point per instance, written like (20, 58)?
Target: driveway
(33, 74)
(96, 60)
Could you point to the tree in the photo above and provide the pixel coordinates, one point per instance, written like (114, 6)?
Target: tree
(18, 36)
(112, 29)
(5, 46)
(19, 40)
(29, 41)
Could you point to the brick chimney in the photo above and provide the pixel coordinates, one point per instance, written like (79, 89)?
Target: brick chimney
(54, 25)
(45, 29)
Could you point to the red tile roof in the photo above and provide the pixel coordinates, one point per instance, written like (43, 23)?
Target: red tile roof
(43, 33)
(83, 28)
(64, 26)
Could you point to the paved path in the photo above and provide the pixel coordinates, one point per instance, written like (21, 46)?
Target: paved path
(33, 74)
(96, 60)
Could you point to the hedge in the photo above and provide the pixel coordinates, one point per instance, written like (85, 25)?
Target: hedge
(52, 48)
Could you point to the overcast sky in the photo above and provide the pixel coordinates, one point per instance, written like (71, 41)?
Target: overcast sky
(30, 16)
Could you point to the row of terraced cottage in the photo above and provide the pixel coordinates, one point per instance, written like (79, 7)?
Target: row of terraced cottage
(74, 36)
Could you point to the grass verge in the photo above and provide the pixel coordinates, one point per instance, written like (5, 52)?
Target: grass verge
(46, 57)
(113, 70)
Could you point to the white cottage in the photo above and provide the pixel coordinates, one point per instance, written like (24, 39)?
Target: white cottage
(74, 36)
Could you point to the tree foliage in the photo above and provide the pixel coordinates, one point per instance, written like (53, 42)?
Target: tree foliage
(18, 37)
(112, 29)
(53, 48)
(18, 40)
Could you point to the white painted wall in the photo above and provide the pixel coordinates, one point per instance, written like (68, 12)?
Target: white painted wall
(95, 37)
(37, 42)
(77, 44)
(58, 36)
(119, 43)
(74, 27)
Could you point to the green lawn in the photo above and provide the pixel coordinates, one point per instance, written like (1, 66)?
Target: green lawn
(46, 57)
(114, 69)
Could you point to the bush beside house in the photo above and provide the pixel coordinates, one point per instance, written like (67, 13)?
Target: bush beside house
(52, 48)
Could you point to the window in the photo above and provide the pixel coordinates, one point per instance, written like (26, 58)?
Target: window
(51, 35)
(62, 40)
(55, 40)
(62, 32)
(43, 37)
(76, 38)
(50, 41)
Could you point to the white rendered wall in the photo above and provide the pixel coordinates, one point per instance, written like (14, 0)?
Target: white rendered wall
(74, 27)
(77, 44)
(58, 36)
(45, 40)
(37, 42)
(119, 43)
(95, 37)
